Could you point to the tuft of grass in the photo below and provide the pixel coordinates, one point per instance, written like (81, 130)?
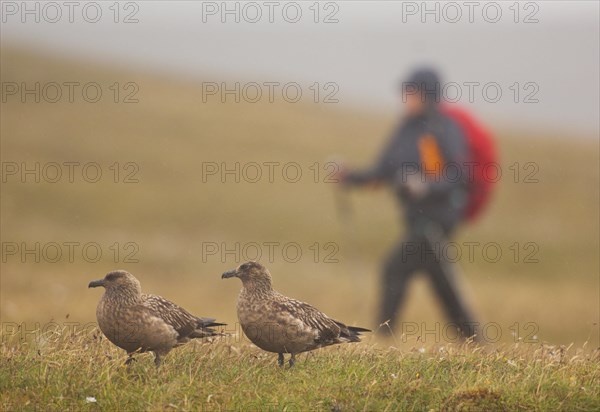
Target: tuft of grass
(80, 370)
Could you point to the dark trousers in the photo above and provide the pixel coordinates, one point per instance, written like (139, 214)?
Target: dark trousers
(422, 250)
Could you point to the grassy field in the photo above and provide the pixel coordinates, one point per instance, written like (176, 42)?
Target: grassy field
(66, 370)
(169, 213)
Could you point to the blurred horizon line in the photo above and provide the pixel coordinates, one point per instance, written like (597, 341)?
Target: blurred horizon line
(348, 103)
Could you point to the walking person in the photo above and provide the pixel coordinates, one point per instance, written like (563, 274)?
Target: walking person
(425, 163)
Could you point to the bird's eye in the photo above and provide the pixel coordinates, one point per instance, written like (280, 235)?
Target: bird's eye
(244, 266)
(112, 276)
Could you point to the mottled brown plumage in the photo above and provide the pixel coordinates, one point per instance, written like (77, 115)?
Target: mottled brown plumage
(138, 322)
(279, 324)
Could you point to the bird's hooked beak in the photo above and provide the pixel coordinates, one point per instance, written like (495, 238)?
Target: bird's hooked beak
(229, 274)
(96, 283)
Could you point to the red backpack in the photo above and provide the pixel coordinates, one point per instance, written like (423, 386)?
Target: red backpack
(483, 155)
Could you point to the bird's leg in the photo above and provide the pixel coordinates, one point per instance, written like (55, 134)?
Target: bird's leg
(157, 359)
(280, 360)
(292, 360)
(130, 359)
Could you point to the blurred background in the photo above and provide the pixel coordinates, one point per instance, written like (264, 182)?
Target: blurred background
(177, 139)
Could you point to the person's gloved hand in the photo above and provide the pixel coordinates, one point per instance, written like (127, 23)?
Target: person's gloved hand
(340, 174)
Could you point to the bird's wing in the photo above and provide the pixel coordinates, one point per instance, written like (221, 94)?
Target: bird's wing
(180, 319)
(327, 330)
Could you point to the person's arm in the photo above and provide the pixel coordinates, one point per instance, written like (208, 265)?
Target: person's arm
(383, 170)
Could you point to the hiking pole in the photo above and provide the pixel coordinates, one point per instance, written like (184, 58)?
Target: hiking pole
(344, 212)
(343, 206)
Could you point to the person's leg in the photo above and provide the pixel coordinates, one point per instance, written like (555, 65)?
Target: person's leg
(398, 268)
(445, 278)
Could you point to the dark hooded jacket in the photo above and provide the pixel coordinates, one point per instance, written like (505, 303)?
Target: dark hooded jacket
(403, 156)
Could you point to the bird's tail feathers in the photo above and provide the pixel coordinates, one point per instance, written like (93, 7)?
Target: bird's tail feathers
(352, 333)
(205, 328)
(208, 322)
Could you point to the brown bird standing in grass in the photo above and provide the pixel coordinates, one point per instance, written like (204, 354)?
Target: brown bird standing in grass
(279, 324)
(138, 322)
